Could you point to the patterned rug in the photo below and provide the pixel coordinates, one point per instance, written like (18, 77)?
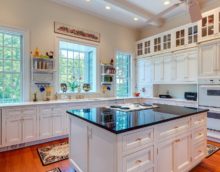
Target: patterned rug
(54, 153)
(212, 149)
(55, 170)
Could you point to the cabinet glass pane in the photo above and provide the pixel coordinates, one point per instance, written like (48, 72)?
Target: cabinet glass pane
(210, 30)
(204, 22)
(204, 32)
(211, 19)
(219, 21)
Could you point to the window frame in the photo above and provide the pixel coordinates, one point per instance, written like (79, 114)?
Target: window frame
(25, 60)
(131, 85)
(73, 40)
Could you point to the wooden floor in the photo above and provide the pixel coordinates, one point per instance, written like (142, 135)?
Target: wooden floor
(27, 160)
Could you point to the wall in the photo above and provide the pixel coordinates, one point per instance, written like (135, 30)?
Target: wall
(37, 17)
(176, 21)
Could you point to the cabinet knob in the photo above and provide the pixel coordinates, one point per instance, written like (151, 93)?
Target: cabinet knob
(138, 139)
(138, 162)
(178, 140)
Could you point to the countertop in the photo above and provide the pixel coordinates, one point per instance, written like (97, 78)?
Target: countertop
(119, 122)
(30, 103)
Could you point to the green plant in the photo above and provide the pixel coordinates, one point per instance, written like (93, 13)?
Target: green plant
(73, 85)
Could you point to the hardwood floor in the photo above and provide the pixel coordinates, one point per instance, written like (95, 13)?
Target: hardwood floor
(27, 160)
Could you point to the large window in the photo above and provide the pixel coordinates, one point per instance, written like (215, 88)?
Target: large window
(123, 74)
(10, 67)
(77, 65)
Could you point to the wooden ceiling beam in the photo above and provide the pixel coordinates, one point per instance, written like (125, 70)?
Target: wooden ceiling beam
(128, 6)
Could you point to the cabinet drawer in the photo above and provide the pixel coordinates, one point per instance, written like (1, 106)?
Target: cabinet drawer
(137, 139)
(139, 161)
(199, 135)
(173, 127)
(199, 151)
(199, 120)
(12, 112)
(30, 111)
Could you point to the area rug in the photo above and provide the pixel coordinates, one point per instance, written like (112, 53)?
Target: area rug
(55, 170)
(53, 153)
(212, 149)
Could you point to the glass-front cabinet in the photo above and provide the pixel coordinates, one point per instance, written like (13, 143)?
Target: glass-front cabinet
(147, 47)
(193, 34)
(140, 49)
(180, 37)
(157, 44)
(209, 26)
(167, 41)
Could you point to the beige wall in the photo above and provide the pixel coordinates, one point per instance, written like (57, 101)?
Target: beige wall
(176, 21)
(37, 16)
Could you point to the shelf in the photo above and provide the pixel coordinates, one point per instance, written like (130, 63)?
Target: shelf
(43, 59)
(43, 71)
(106, 83)
(106, 74)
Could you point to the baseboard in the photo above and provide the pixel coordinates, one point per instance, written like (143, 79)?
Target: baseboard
(75, 166)
(22, 145)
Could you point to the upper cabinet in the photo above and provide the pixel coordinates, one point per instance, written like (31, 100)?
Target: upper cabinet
(209, 62)
(209, 26)
(187, 36)
(139, 49)
(167, 41)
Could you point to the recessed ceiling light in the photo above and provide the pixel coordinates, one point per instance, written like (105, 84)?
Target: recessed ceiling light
(107, 7)
(87, 0)
(166, 2)
(136, 19)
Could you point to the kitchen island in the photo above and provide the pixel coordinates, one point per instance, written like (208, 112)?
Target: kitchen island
(163, 139)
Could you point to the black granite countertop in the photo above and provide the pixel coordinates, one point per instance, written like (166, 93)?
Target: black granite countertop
(119, 122)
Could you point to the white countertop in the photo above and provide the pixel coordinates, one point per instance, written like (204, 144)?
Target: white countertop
(173, 99)
(31, 103)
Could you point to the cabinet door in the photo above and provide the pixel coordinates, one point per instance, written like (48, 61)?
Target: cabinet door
(165, 149)
(29, 126)
(140, 71)
(182, 153)
(13, 130)
(192, 59)
(46, 127)
(181, 67)
(207, 61)
(207, 26)
(58, 128)
(168, 69)
(158, 70)
(148, 70)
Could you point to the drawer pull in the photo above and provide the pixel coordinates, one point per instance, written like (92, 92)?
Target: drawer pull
(200, 134)
(178, 140)
(138, 162)
(176, 127)
(139, 139)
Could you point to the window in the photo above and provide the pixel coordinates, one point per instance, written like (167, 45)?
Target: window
(123, 74)
(77, 65)
(10, 67)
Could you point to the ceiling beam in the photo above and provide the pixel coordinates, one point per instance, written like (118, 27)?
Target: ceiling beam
(128, 6)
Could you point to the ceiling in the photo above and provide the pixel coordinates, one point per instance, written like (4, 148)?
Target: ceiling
(132, 13)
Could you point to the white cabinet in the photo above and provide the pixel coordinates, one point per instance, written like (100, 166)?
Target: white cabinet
(209, 62)
(29, 127)
(19, 125)
(145, 77)
(46, 125)
(209, 25)
(158, 69)
(186, 66)
(52, 121)
(169, 68)
(12, 130)
(177, 152)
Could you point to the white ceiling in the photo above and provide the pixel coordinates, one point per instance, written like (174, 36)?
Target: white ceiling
(148, 12)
